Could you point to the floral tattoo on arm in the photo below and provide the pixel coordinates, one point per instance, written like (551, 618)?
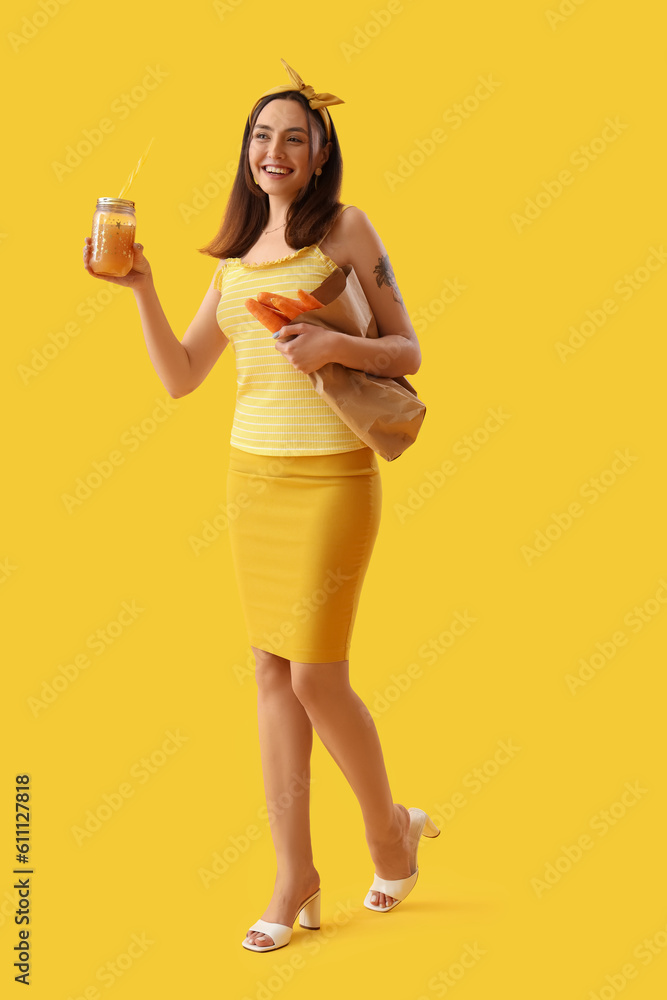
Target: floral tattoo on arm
(384, 275)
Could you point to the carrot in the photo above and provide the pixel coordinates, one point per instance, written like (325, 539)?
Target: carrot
(265, 298)
(309, 300)
(274, 310)
(291, 307)
(277, 312)
(270, 318)
(282, 302)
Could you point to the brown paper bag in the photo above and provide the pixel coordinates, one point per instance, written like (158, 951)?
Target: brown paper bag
(384, 412)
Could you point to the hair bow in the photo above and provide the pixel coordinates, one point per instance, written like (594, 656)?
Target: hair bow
(318, 102)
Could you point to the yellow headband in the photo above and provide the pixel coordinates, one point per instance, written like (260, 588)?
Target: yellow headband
(318, 102)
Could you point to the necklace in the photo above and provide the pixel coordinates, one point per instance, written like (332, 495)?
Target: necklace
(265, 231)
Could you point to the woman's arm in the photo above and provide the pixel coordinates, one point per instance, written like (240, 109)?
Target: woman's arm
(396, 351)
(181, 365)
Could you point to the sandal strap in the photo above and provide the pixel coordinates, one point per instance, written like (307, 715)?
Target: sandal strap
(280, 933)
(397, 888)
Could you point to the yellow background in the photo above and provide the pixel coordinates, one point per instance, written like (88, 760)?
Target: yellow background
(180, 666)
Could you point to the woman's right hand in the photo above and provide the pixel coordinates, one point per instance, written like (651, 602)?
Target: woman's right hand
(139, 275)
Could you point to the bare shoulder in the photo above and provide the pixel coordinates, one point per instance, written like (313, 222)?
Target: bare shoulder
(351, 222)
(351, 214)
(354, 240)
(351, 226)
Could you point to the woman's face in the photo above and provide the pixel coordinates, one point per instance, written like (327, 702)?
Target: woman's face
(280, 138)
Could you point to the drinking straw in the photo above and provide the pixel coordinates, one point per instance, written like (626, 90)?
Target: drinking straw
(136, 170)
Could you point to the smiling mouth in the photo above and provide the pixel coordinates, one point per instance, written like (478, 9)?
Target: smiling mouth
(278, 173)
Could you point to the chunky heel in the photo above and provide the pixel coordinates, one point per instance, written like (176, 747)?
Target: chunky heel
(309, 917)
(430, 829)
(310, 914)
(399, 889)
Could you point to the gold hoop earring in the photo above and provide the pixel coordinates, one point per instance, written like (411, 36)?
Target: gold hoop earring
(317, 174)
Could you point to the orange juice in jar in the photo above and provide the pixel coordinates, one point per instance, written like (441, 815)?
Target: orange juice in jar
(114, 227)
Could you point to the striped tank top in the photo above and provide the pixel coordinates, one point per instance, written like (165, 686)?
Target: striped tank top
(278, 411)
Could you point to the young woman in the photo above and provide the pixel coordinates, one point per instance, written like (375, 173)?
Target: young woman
(307, 488)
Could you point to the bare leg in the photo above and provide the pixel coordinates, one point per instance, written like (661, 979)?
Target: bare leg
(286, 741)
(347, 730)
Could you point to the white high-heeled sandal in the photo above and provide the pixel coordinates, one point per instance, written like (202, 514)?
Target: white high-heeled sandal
(400, 888)
(309, 918)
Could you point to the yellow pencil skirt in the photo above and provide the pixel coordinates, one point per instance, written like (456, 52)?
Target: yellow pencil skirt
(301, 536)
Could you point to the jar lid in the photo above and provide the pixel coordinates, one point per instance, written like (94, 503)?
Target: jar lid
(114, 203)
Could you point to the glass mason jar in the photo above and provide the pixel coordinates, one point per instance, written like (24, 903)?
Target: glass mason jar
(114, 226)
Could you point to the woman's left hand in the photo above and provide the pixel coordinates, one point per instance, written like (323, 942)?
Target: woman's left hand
(312, 347)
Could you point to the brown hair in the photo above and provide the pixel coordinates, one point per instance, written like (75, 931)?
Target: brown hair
(312, 211)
